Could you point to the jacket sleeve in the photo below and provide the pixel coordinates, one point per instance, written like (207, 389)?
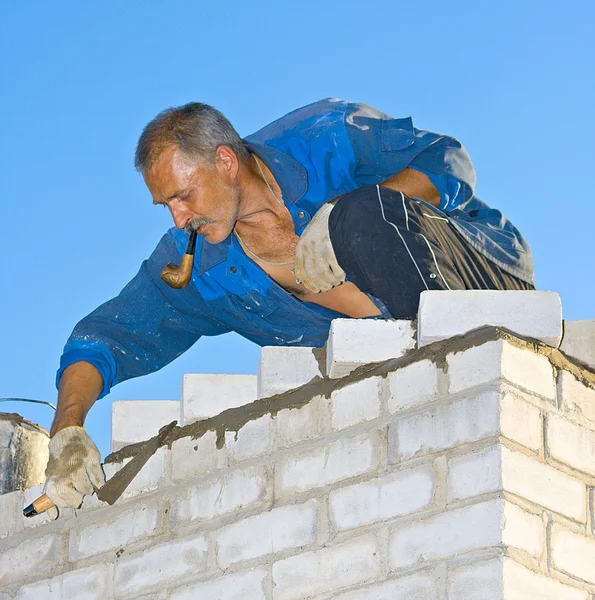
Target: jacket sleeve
(142, 329)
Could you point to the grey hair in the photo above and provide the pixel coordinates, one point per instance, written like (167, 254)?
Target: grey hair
(196, 129)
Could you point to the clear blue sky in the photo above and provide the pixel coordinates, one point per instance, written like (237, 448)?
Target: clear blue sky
(514, 81)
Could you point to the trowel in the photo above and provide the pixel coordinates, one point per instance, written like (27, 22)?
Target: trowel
(114, 488)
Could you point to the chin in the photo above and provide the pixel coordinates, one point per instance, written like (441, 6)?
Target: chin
(214, 235)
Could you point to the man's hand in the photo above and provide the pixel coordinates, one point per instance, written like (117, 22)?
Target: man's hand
(73, 468)
(315, 263)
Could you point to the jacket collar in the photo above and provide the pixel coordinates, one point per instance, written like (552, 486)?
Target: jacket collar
(292, 178)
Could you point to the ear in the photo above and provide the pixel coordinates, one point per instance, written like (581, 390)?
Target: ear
(227, 161)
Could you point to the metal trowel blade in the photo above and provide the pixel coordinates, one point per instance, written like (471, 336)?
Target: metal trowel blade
(114, 488)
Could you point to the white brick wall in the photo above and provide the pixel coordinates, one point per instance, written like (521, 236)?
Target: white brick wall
(573, 553)
(94, 583)
(253, 439)
(355, 403)
(356, 342)
(481, 580)
(496, 360)
(460, 476)
(329, 569)
(444, 314)
(91, 538)
(420, 586)
(390, 496)
(576, 398)
(239, 586)
(285, 368)
(193, 457)
(267, 533)
(571, 444)
(444, 426)
(161, 564)
(413, 385)
(448, 534)
(544, 485)
(205, 396)
(579, 341)
(138, 420)
(521, 583)
(38, 556)
(221, 494)
(322, 466)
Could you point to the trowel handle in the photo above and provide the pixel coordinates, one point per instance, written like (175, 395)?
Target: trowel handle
(38, 506)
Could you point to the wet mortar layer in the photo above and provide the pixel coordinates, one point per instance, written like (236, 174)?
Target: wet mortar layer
(234, 419)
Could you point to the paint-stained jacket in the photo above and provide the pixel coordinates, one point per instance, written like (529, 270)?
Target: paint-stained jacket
(315, 153)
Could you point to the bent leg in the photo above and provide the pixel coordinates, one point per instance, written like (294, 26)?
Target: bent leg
(394, 247)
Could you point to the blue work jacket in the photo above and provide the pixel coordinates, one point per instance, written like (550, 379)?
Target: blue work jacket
(315, 153)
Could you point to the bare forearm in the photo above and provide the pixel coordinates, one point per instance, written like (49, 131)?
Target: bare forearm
(80, 385)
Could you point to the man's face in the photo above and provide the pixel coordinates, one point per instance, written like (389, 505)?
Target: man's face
(205, 198)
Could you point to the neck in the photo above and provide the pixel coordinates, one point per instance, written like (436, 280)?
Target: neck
(257, 201)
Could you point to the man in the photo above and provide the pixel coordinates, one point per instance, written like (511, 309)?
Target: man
(335, 209)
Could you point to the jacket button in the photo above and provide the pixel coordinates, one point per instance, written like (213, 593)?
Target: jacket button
(301, 214)
(233, 269)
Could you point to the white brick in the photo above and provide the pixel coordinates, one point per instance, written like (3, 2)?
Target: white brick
(138, 420)
(523, 530)
(413, 385)
(162, 564)
(355, 403)
(253, 439)
(221, 494)
(579, 341)
(448, 534)
(267, 533)
(521, 422)
(543, 485)
(33, 557)
(356, 342)
(11, 509)
(477, 581)
(193, 457)
(239, 586)
(476, 473)
(205, 396)
(573, 554)
(342, 459)
(92, 583)
(329, 569)
(576, 398)
(140, 522)
(393, 495)
(148, 478)
(295, 425)
(421, 586)
(571, 444)
(284, 368)
(522, 584)
(499, 359)
(444, 426)
(444, 314)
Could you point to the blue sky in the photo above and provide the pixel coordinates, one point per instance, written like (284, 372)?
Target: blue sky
(514, 81)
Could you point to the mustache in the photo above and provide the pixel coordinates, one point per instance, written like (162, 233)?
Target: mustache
(196, 223)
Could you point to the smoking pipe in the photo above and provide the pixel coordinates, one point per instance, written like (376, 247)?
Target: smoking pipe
(178, 276)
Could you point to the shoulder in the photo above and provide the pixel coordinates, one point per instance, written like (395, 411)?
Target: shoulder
(306, 121)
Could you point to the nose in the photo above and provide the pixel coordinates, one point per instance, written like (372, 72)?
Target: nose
(180, 213)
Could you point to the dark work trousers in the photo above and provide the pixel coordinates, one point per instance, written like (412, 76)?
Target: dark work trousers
(394, 247)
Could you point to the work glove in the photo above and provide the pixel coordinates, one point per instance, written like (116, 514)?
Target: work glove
(316, 265)
(73, 469)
